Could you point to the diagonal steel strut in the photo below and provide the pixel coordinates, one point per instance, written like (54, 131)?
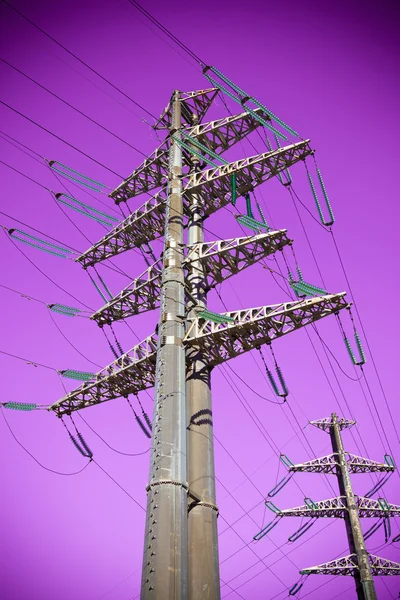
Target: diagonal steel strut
(135, 370)
(218, 136)
(219, 260)
(147, 222)
(347, 565)
(337, 507)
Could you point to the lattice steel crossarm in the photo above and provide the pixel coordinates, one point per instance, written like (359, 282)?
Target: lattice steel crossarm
(218, 136)
(219, 260)
(222, 259)
(131, 373)
(252, 327)
(326, 423)
(327, 464)
(336, 508)
(142, 295)
(250, 172)
(197, 102)
(147, 222)
(347, 565)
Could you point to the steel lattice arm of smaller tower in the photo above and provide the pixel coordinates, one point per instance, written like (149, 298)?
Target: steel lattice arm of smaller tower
(337, 507)
(148, 221)
(328, 464)
(219, 260)
(245, 330)
(347, 565)
(360, 564)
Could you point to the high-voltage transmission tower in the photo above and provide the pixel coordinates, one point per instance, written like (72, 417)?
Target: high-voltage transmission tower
(181, 545)
(359, 563)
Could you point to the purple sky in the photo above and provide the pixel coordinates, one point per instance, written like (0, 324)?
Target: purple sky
(329, 70)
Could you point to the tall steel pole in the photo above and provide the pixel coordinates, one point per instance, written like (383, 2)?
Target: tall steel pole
(165, 562)
(364, 583)
(202, 518)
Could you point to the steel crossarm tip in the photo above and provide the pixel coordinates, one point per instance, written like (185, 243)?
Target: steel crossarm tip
(250, 328)
(131, 373)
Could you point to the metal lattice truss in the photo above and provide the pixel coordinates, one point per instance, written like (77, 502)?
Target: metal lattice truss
(219, 260)
(255, 326)
(336, 508)
(135, 370)
(147, 223)
(192, 103)
(326, 423)
(347, 565)
(216, 185)
(142, 295)
(327, 464)
(220, 135)
(217, 136)
(131, 373)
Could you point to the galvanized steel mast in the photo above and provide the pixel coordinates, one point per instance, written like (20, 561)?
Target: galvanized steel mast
(165, 562)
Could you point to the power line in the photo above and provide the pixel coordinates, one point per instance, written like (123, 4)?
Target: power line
(33, 457)
(167, 32)
(27, 296)
(365, 337)
(43, 162)
(27, 360)
(70, 343)
(118, 484)
(79, 59)
(45, 275)
(108, 445)
(73, 107)
(24, 175)
(60, 138)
